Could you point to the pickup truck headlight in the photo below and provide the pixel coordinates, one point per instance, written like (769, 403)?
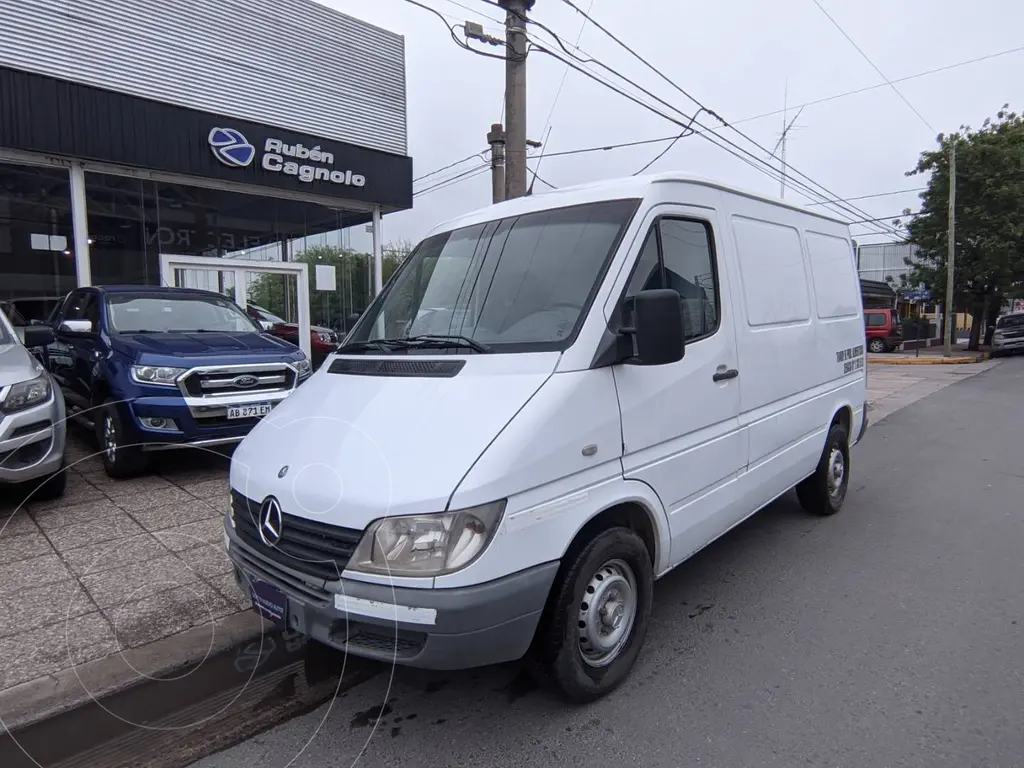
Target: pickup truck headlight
(304, 367)
(427, 545)
(162, 376)
(25, 394)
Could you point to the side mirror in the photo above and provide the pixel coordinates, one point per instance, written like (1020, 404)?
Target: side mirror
(658, 327)
(76, 326)
(37, 336)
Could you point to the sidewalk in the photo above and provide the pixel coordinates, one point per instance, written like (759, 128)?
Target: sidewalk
(893, 387)
(111, 568)
(928, 356)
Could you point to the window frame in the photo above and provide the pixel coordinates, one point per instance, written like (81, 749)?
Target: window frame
(493, 226)
(709, 230)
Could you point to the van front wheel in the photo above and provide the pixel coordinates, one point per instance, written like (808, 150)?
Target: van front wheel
(598, 617)
(823, 492)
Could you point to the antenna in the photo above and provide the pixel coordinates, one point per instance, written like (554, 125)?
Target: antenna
(786, 128)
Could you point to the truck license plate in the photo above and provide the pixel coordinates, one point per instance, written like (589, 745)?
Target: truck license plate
(255, 410)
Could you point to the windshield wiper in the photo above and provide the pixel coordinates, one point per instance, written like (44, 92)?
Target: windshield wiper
(442, 341)
(377, 345)
(426, 341)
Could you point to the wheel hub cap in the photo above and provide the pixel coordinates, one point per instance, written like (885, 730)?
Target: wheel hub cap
(836, 472)
(110, 438)
(606, 613)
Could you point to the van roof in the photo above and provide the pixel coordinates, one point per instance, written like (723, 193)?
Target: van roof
(607, 189)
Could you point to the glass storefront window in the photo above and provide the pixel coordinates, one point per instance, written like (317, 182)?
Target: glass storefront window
(132, 222)
(37, 261)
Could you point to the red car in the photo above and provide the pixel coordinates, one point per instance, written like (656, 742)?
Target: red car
(882, 330)
(322, 341)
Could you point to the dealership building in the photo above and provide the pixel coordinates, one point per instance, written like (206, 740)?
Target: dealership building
(192, 142)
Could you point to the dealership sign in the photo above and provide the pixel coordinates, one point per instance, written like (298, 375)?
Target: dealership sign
(311, 164)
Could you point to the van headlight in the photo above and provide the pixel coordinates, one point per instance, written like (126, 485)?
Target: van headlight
(25, 394)
(427, 545)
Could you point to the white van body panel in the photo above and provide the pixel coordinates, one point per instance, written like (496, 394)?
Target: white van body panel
(556, 462)
(359, 448)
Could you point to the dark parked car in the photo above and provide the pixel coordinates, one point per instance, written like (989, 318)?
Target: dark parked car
(155, 368)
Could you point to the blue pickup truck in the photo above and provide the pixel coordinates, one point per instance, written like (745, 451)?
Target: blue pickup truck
(153, 369)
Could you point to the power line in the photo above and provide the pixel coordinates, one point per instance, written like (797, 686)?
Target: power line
(815, 102)
(879, 194)
(685, 93)
(464, 176)
(873, 65)
(719, 141)
(450, 165)
(565, 73)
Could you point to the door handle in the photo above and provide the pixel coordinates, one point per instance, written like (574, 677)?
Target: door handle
(731, 373)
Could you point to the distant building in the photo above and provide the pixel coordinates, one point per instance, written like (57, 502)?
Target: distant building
(885, 262)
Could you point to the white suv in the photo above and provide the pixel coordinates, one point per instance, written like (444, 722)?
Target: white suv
(32, 422)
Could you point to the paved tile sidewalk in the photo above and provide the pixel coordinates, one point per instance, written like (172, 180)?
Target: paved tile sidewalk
(113, 565)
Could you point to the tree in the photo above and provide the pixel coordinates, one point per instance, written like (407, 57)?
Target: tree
(353, 284)
(989, 267)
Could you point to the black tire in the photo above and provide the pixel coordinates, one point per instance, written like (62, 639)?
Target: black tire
(877, 346)
(561, 651)
(119, 461)
(823, 492)
(52, 487)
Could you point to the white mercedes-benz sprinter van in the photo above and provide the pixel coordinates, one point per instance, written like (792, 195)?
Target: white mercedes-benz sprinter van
(608, 378)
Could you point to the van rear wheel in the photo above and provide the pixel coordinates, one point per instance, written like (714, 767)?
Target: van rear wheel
(597, 617)
(823, 492)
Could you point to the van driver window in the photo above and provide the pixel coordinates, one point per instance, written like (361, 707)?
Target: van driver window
(686, 252)
(686, 266)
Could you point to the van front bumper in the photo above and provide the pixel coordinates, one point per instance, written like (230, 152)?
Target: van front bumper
(440, 629)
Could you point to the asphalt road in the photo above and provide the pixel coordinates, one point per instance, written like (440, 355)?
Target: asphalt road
(890, 635)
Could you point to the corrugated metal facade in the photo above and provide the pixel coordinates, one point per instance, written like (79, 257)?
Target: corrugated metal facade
(885, 261)
(290, 63)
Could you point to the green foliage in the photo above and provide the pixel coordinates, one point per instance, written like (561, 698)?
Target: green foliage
(989, 222)
(353, 275)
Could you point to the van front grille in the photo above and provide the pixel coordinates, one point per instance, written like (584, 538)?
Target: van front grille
(312, 548)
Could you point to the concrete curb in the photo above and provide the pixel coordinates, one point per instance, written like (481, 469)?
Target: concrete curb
(37, 700)
(930, 360)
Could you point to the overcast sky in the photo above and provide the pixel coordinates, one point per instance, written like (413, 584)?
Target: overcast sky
(735, 56)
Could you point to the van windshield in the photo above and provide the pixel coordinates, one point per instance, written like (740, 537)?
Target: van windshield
(523, 283)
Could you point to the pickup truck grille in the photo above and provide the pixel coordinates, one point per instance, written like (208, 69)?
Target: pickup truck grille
(238, 381)
(310, 547)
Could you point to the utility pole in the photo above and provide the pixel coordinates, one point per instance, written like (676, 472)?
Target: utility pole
(951, 258)
(515, 96)
(496, 138)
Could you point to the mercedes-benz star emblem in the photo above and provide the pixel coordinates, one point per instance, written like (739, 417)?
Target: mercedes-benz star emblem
(283, 471)
(270, 521)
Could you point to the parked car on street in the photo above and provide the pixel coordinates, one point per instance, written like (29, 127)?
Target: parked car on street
(634, 368)
(882, 330)
(32, 424)
(153, 368)
(322, 340)
(1008, 336)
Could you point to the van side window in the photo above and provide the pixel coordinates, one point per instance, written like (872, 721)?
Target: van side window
(690, 271)
(686, 265)
(875, 319)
